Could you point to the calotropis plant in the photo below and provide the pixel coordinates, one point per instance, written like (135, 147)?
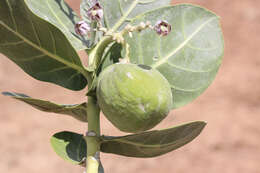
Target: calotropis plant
(145, 58)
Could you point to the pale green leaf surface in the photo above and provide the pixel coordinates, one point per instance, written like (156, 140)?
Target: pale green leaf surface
(69, 146)
(152, 143)
(77, 111)
(38, 47)
(189, 57)
(58, 13)
(119, 12)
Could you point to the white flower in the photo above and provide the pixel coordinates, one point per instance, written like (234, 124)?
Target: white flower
(162, 28)
(95, 12)
(82, 28)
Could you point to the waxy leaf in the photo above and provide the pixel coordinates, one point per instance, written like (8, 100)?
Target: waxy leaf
(189, 57)
(38, 47)
(119, 12)
(77, 111)
(152, 143)
(69, 146)
(58, 13)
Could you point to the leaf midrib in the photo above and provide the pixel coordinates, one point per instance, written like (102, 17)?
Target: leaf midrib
(123, 18)
(59, 108)
(58, 19)
(188, 136)
(57, 58)
(185, 42)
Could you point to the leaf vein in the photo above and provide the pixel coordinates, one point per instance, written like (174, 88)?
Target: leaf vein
(146, 2)
(30, 58)
(56, 57)
(54, 14)
(185, 69)
(11, 13)
(119, 23)
(54, 70)
(53, 41)
(12, 43)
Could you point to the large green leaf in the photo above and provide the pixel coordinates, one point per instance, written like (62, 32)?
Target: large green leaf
(189, 57)
(38, 47)
(71, 147)
(152, 143)
(119, 12)
(77, 111)
(58, 13)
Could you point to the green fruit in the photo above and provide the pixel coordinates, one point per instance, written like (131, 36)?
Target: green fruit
(134, 98)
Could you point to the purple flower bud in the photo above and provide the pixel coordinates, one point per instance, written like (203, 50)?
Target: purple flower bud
(95, 12)
(162, 28)
(82, 28)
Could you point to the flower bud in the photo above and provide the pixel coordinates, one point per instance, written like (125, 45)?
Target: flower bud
(95, 12)
(162, 28)
(82, 28)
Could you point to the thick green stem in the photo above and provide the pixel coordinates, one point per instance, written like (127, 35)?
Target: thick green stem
(92, 138)
(95, 55)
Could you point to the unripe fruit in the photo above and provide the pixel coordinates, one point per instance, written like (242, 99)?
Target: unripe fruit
(134, 98)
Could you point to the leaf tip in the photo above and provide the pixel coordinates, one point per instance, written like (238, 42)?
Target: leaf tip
(202, 124)
(13, 94)
(5, 93)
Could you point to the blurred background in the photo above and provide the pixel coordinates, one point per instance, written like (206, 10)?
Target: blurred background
(231, 105)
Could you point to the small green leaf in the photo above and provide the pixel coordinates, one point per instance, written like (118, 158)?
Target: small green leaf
(58, 13)
(152, 143)
(189, 57)
(69, 146)
(38, 47)
(77, 111)
(117, 13)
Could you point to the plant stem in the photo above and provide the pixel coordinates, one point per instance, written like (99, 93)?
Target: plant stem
(92, 165)
(92, 138)
(96, 54)
(93, 33)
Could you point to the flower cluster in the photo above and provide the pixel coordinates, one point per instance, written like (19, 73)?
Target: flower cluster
(94, 13)
(82, 28)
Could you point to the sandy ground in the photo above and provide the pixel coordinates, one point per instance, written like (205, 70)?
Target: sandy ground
(231, 105)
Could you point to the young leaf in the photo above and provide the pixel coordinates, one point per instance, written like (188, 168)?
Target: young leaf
(58, 13)
(119, 12)
(152, 143)
(189, 57)
(69, 146)
(38, 47)
(77, 111)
